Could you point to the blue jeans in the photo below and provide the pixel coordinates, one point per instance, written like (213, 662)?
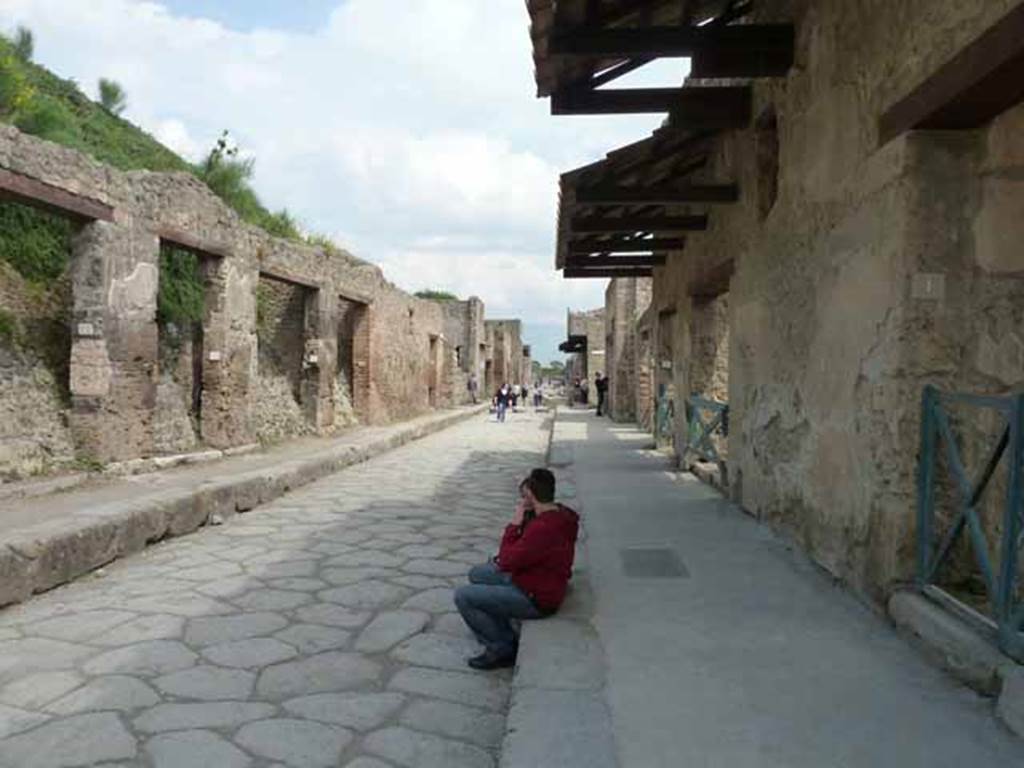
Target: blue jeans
(488, 604)
(502, 407)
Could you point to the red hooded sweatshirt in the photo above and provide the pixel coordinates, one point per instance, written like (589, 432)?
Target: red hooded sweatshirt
(538, 555)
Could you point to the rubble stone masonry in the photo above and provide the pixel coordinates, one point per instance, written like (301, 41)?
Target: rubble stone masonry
(256, 382)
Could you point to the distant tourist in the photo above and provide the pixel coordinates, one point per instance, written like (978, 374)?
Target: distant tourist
(538, 397)
(529, 577)
(584, 392)
(515, 395)
(601, 385)
(502, 398)
(472, 385)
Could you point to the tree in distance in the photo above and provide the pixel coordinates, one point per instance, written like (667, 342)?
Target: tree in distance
(24, 43)
(112, 96)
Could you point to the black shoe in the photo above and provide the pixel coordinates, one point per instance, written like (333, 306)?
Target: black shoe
(489, 660)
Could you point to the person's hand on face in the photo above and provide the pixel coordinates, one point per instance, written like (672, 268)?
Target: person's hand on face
(523, 506)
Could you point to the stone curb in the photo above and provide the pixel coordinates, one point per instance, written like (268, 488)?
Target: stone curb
(559, 717)
(44, 556)
(958, 648)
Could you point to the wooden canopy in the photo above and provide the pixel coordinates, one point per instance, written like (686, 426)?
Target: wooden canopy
(622, 215)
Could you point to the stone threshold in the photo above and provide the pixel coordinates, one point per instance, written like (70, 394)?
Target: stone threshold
(40, 557)
(559, 715)
(961, 646)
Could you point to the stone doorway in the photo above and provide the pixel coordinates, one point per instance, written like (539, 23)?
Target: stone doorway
(434, 370)
(709, 370)
(352, 384)
(281, 332)
(182, 300)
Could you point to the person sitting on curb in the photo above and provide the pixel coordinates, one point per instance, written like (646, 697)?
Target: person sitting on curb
(528, 578)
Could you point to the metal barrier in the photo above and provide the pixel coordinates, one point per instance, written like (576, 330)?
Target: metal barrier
(933, 547)
(703, 419)
(664, 415)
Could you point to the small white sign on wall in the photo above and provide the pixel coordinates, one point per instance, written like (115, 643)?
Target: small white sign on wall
(86, 329)
(214, 356)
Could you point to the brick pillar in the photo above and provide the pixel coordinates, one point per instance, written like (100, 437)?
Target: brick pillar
(115, 272)
(229, 352)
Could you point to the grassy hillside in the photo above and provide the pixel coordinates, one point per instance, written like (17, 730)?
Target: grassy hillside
(38, 102)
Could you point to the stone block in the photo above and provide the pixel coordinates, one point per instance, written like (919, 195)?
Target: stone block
(558, 729)
(15, 578)
(560, 653)
(952, 644)
(1010, 705)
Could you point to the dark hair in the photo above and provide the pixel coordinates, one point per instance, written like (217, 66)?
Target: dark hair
(541, 483)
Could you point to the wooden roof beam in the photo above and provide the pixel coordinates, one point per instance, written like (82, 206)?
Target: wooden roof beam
(605, 272)
(985, 79)
(648, 260)
(624, 245)
(695, 108)
(640, 223)
(745, 50)
(609, 194)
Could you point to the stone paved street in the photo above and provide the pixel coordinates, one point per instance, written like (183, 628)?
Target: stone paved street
(316, 631)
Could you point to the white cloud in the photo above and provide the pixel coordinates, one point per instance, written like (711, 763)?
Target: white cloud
(411, 127)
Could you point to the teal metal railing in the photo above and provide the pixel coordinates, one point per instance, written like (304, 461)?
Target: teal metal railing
(705, 418)
(935, 547)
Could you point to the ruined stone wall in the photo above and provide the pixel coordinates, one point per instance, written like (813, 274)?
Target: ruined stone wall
(506, 344)
(590, 324)
(464, 328)
(861, 274)
(626, 299)
(34, 433)
(644, 385)
(119, 409)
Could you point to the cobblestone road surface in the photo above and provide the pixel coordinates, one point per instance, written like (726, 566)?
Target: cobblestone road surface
(316, 631)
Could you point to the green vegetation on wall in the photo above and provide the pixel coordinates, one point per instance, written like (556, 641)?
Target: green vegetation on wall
(35, 243)
(435, 295)
(181, 291)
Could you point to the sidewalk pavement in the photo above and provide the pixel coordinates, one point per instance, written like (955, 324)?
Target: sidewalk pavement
(714, 643)
(46, 541)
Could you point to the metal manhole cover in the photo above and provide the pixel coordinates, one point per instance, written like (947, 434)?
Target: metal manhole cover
(652, 563)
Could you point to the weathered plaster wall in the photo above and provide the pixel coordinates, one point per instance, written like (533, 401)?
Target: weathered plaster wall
(506, 344)
(118, 408)
(877, 270)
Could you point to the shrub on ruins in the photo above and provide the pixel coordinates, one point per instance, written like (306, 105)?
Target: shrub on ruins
(112, 96)
(431, 294)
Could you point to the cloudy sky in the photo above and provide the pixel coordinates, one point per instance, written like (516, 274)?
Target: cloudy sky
(407, 130)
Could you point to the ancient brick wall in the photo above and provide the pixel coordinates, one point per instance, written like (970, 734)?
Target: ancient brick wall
(862, 273)
(128, 397)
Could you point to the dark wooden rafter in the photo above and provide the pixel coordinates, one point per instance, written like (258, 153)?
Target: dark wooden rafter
(18, 188)
(625, 245)
(695, 108)
(648, 260)
(985, 79)
(770, 43)
(605, 272)
(638, 223)
(609, 194)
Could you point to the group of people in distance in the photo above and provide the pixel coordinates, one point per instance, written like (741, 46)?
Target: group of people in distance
(581, 392)
(509, 397)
